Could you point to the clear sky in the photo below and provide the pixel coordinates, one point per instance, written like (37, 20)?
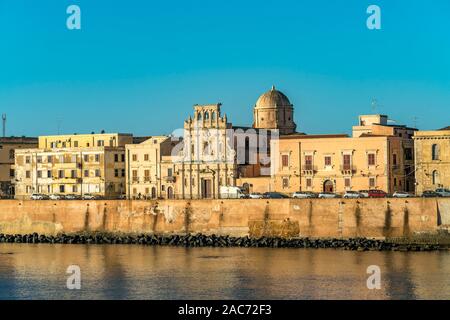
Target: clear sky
(140, 66)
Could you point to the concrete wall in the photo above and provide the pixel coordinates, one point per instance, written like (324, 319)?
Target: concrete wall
(288, 218)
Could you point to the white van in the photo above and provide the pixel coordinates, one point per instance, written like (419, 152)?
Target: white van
(232, 193)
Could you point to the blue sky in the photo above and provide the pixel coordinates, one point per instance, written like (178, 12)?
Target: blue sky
(140, 66)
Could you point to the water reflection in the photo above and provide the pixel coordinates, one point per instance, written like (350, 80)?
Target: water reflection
(140, 272)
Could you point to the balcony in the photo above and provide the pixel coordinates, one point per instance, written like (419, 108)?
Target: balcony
(169, 179)
(308, 169)
(348, 169)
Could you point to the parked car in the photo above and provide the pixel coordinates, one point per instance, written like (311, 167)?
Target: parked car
(443, 192)
(89, 196)
(351, 195)
(275, 195)
(39, 196)
(304, 195)
(377, 194)
(328, 195)
(55, 197)
(401, 194)
(255, 195)
(72, 197)
(124, 196)
(430, 194)
(364, 193)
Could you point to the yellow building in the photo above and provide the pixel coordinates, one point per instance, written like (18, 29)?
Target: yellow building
(8, 145)
(73, 164)
(432, 159)
(377, 157)
(150, 169)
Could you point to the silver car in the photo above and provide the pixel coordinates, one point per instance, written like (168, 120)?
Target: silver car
(352, 195)
(401, 194)
(328, 195)
(304, 195)
(443, 192)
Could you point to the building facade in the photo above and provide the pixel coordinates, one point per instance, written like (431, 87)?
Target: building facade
(73, 164)
(432, 149)
(205, 159)
(8, 145)
(150, 169)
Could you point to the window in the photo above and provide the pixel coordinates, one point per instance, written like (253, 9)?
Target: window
(394, 159)
(347, 159)
(285, 183)
(347, 182)
(73, 174)
(97, 172)
(147, 175)
(64, 144)
(61, 159)
(86, 158)
(86, 173)
(206, 115)
(372, 182)
(135, 175)
(116, 173)
(435, 177)
(395, 182)
(435, 152)
(213, 115)
(27, 159)
(11, 154)
(74, 158)
(308, 162)
(285, 160)
(134, 191)
(49, 159)
(328, 161)
(123, 172)
(116, 157)
(27, 174)
(163, 188)
(62, 189)
(11, 173)
(39, 174)
(97, 158)
(100, 143)
(75, 144)
(123, 157)
(146, 157)
(408, 154)
(134, 157)
(169, 172)
(371, 159)
(49, 173)
(309, 182)
(147, 190)
(60, 174)
(74, 189)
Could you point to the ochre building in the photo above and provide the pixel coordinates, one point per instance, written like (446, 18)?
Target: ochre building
(432, 159)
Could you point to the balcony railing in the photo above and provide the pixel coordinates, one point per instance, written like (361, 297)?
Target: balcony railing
(169, 179)
(308, 169)
(348, 169)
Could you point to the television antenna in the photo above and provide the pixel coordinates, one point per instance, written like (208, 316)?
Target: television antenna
(4, 124)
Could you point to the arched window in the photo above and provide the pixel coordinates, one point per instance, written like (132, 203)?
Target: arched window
(206, 115)
(435, 152)
(199, 116)
(213, 115)
(435, 177)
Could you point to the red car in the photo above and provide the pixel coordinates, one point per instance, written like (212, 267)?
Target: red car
(377, 194)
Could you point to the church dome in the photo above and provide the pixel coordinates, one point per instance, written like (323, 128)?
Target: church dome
(273, 98)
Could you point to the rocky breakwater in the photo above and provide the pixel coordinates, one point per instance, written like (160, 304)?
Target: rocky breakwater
(200, 240)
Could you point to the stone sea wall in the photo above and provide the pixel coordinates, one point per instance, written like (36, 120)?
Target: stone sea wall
(284, 218)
